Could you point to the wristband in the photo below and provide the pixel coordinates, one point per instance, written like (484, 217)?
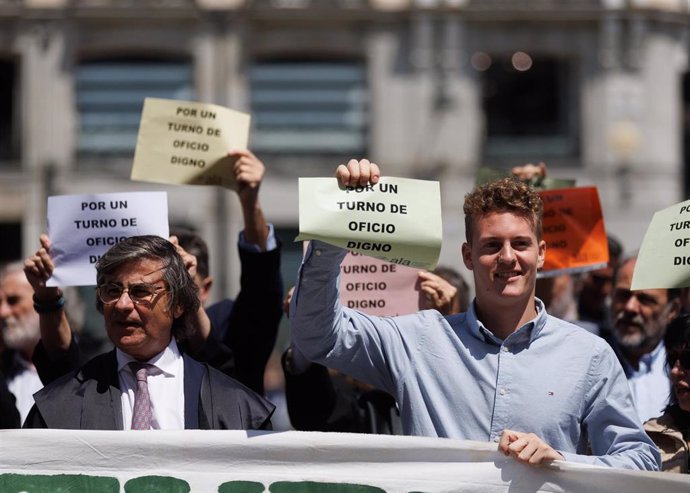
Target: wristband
(52, 306)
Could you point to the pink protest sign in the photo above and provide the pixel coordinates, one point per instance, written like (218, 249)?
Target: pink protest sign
(376, 287)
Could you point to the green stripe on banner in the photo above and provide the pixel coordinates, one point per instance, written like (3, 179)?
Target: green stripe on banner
(241, 487)
(156, 484)
(59, 483)
(317, 487)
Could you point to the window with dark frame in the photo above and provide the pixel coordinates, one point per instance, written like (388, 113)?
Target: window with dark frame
(11, 244)
(303, 107)
(9, 121)
(530, 107)
(110, 97)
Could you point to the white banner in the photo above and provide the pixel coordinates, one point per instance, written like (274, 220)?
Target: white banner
(36, 461)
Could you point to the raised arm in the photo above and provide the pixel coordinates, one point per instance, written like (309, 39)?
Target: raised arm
(357, 344)
(57, 352)
(201, 323)
(56, 333)
(249, 171)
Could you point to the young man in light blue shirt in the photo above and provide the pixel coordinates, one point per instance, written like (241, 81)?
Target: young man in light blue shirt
(505, 371)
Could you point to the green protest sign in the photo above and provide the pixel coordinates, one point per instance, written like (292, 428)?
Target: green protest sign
(664, 257)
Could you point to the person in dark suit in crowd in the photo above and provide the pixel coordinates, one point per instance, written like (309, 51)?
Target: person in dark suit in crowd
(234, 336)
(241, 333)
(237, 336)
(147, 298)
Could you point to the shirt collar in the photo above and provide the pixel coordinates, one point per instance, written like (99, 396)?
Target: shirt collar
(648, 360)
(21, 362)
(529, 330)
(165, 361)
(659, 351)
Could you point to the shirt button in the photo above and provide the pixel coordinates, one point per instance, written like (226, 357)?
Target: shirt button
(497, 439)
(503, 391)
(506, 349)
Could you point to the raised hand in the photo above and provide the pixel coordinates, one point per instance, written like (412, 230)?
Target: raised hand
(38, 268)
(358, 173)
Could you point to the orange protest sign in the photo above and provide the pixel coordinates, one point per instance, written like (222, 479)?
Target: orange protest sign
(376, 287)
(573, 228)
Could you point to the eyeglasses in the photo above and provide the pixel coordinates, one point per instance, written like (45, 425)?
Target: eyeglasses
(138, 293)
(683, 357)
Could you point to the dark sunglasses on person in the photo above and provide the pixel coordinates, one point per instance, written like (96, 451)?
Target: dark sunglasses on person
(683, 357)
(138, 293)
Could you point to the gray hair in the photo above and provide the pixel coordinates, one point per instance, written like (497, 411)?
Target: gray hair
(182, 290)
(11, 268)
(75, 313)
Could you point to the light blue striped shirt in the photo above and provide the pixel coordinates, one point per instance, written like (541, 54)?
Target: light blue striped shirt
(453, 378)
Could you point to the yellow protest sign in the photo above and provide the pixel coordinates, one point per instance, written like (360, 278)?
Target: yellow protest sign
(184, 142)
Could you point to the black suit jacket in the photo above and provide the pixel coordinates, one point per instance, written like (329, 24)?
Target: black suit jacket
(9, 416)
(244, 332)
(89, 399)
(319, 401)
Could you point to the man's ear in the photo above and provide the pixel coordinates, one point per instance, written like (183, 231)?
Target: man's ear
(674, 310)
(206, 285)
(467, 255)
(542, 254)
(204, 288)
(177, 312)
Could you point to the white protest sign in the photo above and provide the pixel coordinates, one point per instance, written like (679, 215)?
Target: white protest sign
(185, 142)
(378, 288)
(83, 227)
(664, 258)
(398, 220)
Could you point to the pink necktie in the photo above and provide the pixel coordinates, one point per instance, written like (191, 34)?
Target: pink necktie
(141, 415)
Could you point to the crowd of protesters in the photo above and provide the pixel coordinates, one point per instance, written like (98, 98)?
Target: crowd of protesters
(577, 367)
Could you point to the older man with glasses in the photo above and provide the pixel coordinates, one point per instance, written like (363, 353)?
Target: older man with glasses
(146, 297)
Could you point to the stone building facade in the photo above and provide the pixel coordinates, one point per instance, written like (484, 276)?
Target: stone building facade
(427, 88)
